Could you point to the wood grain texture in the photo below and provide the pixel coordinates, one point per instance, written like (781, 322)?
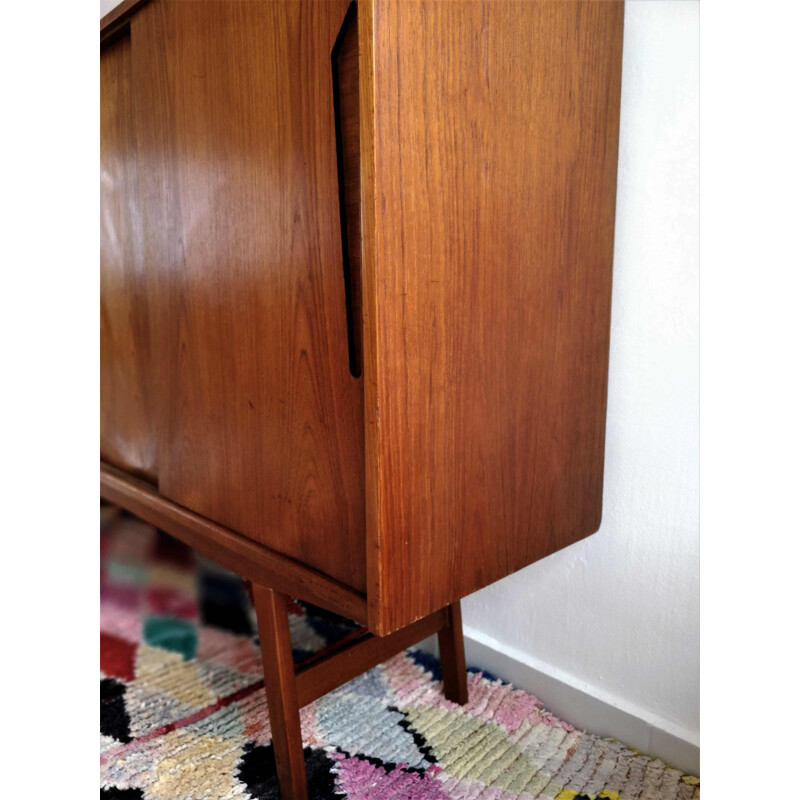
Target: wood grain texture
(495, 153)
(279, 684)
(369, 317)
(257, 421)
(235, 552)
(127, 430)
(478, 176)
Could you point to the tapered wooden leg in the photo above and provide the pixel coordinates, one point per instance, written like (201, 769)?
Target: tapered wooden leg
(279, 682)
(451, 652)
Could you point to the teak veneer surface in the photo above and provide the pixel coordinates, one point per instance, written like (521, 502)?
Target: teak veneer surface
(462, 221)
(495, 162)
(253, 418)
(127, 421)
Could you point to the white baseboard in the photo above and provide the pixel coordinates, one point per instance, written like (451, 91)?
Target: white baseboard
(585, 707)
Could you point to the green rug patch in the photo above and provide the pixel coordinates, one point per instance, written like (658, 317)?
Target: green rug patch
(172, 634)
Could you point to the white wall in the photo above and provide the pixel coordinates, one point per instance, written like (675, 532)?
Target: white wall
(107, 5)
(617, 615)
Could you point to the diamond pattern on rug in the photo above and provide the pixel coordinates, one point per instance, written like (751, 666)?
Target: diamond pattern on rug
(183, 713)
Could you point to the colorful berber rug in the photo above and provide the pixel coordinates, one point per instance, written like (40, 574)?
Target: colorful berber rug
(183, 715)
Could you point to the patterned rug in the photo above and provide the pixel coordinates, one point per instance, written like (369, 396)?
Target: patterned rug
(183, 715)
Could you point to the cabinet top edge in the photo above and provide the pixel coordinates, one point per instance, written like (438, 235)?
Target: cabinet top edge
(116, 19)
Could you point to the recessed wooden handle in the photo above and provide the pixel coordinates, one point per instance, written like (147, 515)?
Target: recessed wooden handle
(344, 67)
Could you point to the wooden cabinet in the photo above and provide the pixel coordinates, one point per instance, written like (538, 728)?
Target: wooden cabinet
(355, 286)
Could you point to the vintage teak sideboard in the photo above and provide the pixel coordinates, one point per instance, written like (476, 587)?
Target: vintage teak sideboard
(355, 294)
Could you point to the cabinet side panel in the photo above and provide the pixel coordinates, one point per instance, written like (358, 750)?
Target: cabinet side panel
(261, 427)
(127, 431)
(496, 128)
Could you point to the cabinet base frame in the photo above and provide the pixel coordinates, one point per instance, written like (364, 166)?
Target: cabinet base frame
(272, 579)
(287, 691)
(235, 552)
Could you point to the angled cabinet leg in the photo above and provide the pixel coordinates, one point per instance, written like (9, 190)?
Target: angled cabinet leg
(451, 652)
(279, 682)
